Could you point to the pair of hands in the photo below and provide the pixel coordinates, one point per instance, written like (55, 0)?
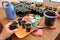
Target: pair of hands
(6, 32)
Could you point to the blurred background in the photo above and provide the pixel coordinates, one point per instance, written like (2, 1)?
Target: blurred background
(45, 2)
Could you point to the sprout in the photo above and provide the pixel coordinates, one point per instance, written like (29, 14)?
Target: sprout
(54, 9)
(50, 8)
(14, 3)
(39, 4)
(17, 9)
(37, 9)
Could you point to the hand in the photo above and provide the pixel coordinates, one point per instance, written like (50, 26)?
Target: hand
(6, 32)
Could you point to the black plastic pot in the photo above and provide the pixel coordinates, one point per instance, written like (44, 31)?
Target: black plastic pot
(23, 24)
(41, 14)
(33, 11)
(19, 21)
(49, 18)
(36, 13)
(28, 27)
(14, 25)
(21, 14)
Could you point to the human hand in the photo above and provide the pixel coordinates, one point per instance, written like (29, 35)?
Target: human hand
(6, 32)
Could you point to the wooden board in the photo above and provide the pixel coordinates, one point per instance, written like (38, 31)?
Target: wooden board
(21, 33)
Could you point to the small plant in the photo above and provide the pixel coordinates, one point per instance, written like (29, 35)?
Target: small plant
(33, 10)
(14, 3)
(31, 7)
(28, 3)
(21, 5)
(41, 12)
(39, 4)
(18, 10)
(21, 2)
(54, 9)
(37, 9)
(32, 3)
(50, 13)
(50, 8)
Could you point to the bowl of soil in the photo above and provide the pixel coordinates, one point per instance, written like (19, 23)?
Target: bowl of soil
(49, 17)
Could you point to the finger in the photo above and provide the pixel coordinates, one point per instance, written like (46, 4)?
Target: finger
(7, 25)
(13, 31)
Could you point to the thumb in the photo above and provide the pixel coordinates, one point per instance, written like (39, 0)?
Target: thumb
(13, 31)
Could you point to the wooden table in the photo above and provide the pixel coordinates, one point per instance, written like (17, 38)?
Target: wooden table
(47, 35)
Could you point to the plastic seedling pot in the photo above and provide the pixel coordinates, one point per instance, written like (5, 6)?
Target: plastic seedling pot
(23, 24)
(28, 27)
(19, 21)
(14, 25)
(41, 12)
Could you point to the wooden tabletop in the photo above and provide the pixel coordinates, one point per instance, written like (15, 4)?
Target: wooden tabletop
(48, 34)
